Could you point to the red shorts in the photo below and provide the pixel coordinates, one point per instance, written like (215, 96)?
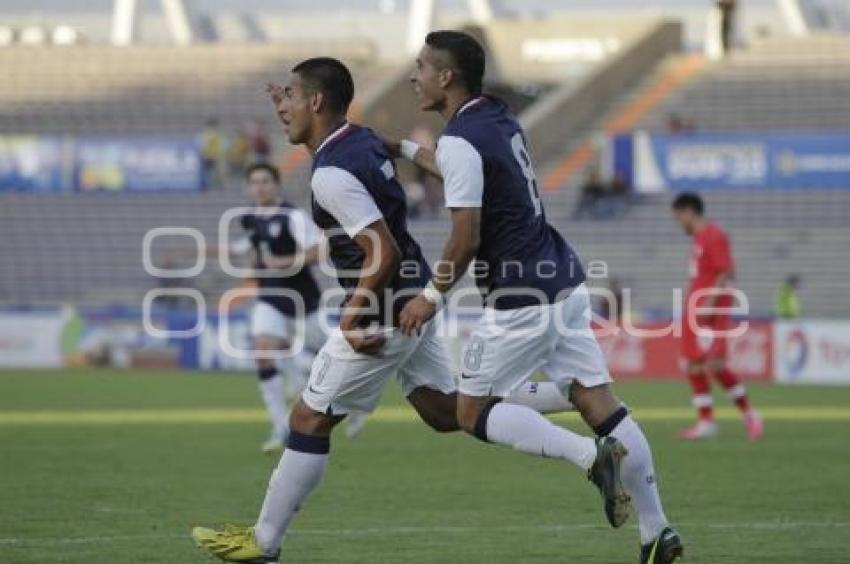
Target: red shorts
(699, 346)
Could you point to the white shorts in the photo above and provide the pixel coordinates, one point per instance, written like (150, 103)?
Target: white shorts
(507, 346)
(267, 320)
(343, 380)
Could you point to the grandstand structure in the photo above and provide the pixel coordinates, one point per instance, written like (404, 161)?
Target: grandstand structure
(86, 248)
(142, 89)
(780, 83)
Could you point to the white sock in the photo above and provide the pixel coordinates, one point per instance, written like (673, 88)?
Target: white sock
(297, 474)
(275, 399)
(542, 397)
(296, 372)
(638, 477)
(527, 431)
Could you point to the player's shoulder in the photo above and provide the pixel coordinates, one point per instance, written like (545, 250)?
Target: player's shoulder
(351, 152)
(248, 220)
(483, 123)
(716, 232)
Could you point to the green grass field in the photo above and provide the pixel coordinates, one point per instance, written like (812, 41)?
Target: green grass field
(117, 467)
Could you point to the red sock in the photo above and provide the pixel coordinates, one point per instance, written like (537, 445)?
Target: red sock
(702, 399)
(737, 392)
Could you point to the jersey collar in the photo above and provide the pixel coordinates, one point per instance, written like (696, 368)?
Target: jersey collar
(334, 135)
(268, 211)
(468, 104)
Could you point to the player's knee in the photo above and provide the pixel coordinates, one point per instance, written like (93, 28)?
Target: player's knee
(307, 421)
(265, 368)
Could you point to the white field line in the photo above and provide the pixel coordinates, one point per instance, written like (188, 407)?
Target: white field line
(394, 414)
(413, 530)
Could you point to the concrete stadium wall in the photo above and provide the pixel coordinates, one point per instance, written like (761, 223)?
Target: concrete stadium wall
(558, 48)
(574, 105)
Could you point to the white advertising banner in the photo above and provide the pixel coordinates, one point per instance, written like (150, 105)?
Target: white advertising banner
(812, 352)
(31, 339)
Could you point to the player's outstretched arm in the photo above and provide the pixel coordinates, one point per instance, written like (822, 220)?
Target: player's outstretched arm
(421, 156)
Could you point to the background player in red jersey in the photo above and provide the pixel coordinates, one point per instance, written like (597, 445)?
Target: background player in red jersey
(711, 270)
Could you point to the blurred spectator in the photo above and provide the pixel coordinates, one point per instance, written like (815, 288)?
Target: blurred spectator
(211, 154)
(727, 23)
(677, 124)
(603, 200)
(787, 300)
(261, 145)
(592, 192)
(238, 155)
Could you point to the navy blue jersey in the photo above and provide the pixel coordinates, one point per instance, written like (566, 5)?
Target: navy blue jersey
(522, 260)
(278, 234)
(354, 184)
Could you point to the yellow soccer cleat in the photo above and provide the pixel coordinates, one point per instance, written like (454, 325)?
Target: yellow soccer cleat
(233, 544)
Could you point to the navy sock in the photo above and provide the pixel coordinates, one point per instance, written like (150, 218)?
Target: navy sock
(604, 429)
(310, 444)
(267, 373)
(481, 423)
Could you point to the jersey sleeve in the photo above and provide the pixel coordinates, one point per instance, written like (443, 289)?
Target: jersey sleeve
(241, 246)
(343, 196)
(462, 170)
(247, 222)
(303, 230)
(721, 253)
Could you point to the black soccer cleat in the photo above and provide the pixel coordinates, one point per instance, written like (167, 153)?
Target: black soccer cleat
(666, 548)
(605, 473)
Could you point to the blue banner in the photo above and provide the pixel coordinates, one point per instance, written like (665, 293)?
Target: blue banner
(137, 164)
(724, 161)
(107, 164)
(32, 164)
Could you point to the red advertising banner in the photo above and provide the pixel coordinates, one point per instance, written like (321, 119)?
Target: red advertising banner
(652, 350)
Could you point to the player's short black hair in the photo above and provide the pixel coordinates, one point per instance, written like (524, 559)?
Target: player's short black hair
(467, 56)
(330, 77)
(270, 168)
(689, 201)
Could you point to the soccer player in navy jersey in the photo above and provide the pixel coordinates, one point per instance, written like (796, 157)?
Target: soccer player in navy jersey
(282, 243)
(536, 307)
(360, 204)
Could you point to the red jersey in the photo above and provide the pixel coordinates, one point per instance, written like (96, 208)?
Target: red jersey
(711, 255)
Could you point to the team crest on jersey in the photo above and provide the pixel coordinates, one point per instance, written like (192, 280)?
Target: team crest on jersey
(274, 229)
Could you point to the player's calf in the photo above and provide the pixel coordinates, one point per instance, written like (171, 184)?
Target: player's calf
(437, 409)
(472, 413)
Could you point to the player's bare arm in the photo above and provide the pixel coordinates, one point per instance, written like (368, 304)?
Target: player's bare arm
(381, 249)
(458, 252)
(422, 157)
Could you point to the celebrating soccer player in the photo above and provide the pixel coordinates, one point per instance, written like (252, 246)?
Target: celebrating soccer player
(360, 204)
(537, 310)
(703, 339)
